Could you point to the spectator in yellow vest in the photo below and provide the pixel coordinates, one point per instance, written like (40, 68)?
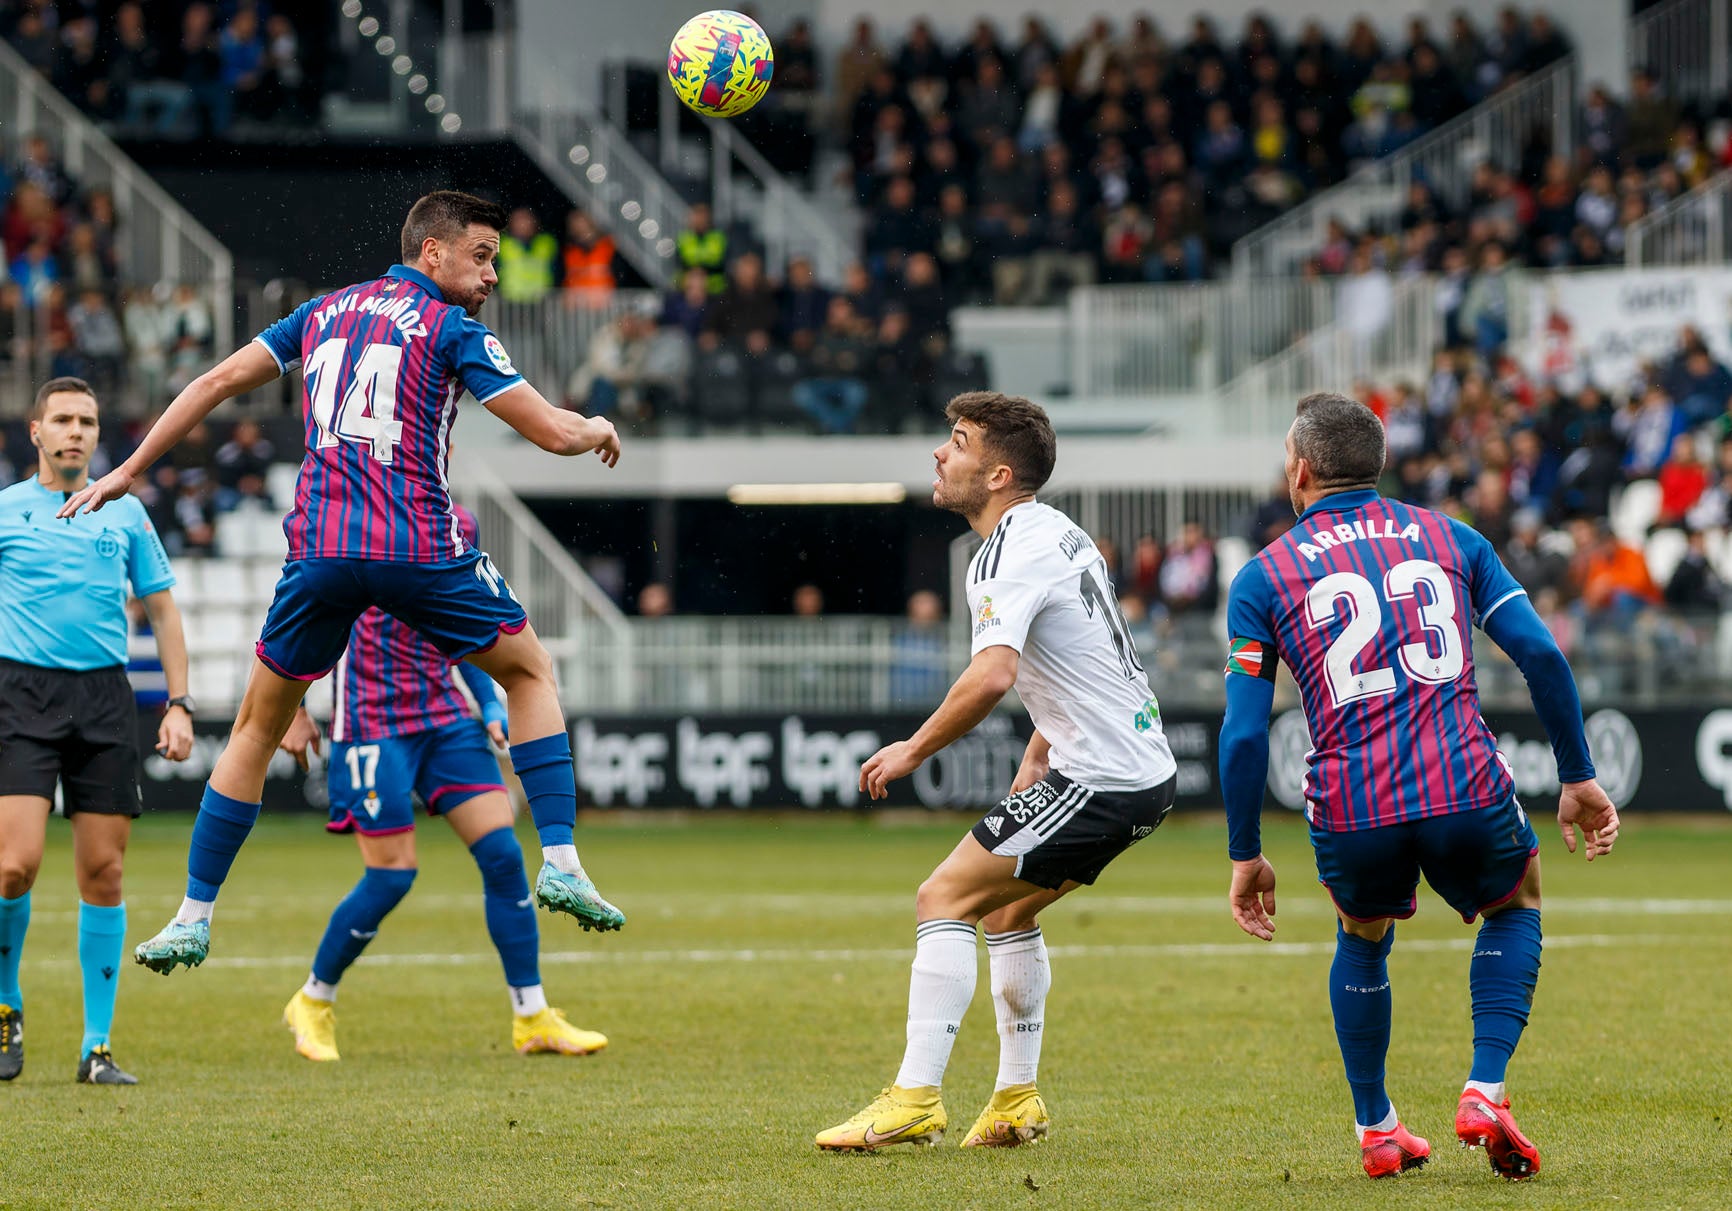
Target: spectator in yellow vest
(528, 257)
(701, 246)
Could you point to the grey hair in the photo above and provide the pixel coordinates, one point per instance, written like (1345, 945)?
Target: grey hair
(1341, 438)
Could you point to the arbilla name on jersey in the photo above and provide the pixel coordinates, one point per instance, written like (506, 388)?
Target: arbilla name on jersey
(1355, 531)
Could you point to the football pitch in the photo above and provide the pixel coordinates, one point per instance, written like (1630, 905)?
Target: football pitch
(758, 995)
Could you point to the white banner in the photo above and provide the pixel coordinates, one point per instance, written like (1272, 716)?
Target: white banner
(1601, 326)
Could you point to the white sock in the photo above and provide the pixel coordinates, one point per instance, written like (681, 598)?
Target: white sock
(562, 858)
(1494, 1092)
(318, 989)
(1388, 1124)
(527, 1000)
(1020, 980)
(939, 990)
(192, 910)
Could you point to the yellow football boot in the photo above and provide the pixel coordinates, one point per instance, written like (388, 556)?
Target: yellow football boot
(548, 1031)
(315, 1025)
(896, 1116)
(1016, 1115)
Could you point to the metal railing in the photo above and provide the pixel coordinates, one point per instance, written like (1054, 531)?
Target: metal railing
(789, 224)
(156, 239)
(1497, 129)
(585, 632)
(549, 339)
(1687, 44)
(1688, 230)
(1176, 339)
(1260, 401)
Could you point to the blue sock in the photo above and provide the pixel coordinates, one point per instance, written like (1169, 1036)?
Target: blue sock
(510, 915)
(218, 833)
(356, 920)
(101, 938)
(1502, 976)
(1359, 996)
(544, 768)
(14, 921)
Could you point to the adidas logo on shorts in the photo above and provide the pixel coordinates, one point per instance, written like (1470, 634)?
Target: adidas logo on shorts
(994, 824)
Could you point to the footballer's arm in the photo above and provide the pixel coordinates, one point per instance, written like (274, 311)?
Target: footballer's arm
(983, 684)
(1244, 767)
(554, 429)
(246, 369)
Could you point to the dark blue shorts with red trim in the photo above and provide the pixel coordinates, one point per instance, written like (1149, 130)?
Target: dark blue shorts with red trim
(461, 607)
(375, 784)
(1476, 860)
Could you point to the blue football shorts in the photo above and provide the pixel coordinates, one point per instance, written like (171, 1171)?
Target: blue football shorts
(1475, 860)
(462, 608)
(375, 784)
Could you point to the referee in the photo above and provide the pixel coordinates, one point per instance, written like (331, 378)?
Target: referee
(66, 709)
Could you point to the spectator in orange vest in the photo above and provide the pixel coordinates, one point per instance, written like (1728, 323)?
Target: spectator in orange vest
(589, 274)
(1609, 574)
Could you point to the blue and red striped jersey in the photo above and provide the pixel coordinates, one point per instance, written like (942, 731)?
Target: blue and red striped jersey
(1371, 605)
(391, 682)
(384, 362)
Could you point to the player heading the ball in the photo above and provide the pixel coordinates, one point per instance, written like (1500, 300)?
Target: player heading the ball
(373, 525)
(1371, 603)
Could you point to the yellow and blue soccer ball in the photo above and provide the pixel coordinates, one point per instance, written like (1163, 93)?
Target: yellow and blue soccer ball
(720, 63)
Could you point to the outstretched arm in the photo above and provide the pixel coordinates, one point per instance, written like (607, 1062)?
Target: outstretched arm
(1518, 630)
(985, 681)
(1244, 764)
(243, 370)
(554, 429)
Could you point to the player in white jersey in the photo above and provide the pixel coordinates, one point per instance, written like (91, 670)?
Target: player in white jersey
(1097, 775)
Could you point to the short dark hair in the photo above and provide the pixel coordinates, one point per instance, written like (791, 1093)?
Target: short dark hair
(1016, 431)
(55, 386)
(443, 215)
(1341, 438)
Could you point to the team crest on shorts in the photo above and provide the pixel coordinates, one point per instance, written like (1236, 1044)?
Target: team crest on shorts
(496, 354)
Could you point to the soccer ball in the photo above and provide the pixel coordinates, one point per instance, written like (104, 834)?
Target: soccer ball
(720, 63)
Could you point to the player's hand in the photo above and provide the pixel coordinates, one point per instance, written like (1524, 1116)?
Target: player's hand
(1584, 805)
(174, 736)
(496, 733)
(606, 440)
(883, 767)
(1032, 770)
(301, 739)
(1252, 897)
(93, 496)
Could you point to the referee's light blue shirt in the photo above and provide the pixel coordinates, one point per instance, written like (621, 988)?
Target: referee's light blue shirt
(63, 583)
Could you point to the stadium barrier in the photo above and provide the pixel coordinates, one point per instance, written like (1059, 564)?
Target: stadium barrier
(1662, 760)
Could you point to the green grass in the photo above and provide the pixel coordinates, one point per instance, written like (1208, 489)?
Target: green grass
(1185, 1065)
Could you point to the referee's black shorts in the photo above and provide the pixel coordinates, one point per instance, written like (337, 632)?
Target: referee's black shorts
(78, 727)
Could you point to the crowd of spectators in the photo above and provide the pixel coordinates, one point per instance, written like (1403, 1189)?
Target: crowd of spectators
(1551, 212)
(65, 307)
(1023, 166)
(167, 71)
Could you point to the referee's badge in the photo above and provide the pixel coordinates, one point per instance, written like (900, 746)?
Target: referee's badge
(107, 545)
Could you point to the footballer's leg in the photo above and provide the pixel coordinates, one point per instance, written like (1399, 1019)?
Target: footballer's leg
(1360, 1000)
(99, 851)
(483, 823)
(1021, 978)
(968, 885)
(23, 831)
(541, 756)
(389, 868)
(1502, 977)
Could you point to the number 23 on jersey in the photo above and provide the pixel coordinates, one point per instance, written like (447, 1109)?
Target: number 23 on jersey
(1434, 657)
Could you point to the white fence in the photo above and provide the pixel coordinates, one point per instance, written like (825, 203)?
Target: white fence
(157, 240)
(1687, 44)
(1688, 230)
(1498, 129)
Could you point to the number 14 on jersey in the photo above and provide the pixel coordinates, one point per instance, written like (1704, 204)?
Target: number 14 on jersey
(367, 414)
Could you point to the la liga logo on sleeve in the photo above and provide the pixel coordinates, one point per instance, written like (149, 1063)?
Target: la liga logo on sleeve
(496, 354)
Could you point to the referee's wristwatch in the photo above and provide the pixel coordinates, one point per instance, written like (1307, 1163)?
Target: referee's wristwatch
(185, 703)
